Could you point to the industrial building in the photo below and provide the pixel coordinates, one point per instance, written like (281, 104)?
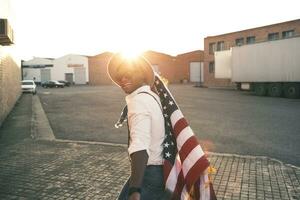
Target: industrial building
(223, 42)
(72, 68)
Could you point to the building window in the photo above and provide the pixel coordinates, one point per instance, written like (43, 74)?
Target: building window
(288, 34)
(211, 67)
(212, 48)
(273, 36)
(239, 42)
(220, 46)
(251, 40)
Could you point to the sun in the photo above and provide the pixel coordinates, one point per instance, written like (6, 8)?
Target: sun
(130, 47)
(131, 54)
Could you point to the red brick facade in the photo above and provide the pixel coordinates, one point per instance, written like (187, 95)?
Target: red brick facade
(183, 64)
(97, 69)
(166, 64)
(175, 69)
(261, 34)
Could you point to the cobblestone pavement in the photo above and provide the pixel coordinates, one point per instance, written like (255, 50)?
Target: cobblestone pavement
(63, 170)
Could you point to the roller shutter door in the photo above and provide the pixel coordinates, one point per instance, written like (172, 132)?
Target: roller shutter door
(80, 75)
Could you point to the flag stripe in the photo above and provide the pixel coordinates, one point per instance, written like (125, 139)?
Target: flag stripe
(180, 184)
(212, 194)
(188, 146)
(197, 189)
(167, 169)
(184, 135)
(204, 191)
(179, 126)
(195, 155)
(173, 175)
(175, 116)
(184, 194)
(193, 173)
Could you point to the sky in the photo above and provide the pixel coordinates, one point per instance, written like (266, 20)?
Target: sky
(54, 28)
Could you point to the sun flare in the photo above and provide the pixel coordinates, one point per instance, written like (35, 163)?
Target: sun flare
(131, 54)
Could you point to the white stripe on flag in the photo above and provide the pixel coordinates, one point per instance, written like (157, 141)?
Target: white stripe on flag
(204, 186)
(184, 194)
(175, 116)
(172, 178)
(184, 135)
(191, 159)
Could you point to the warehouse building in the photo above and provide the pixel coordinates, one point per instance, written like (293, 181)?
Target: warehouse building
(245, 37)
(190, 67)
(177, 69)
(37, 69)
(10, 69)
(71, 67)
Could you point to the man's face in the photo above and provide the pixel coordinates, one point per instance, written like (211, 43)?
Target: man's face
(130, 79)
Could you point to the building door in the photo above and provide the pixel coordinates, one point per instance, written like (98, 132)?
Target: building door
(45, 75)
(69, 77)
(196, 69)
(79, 73)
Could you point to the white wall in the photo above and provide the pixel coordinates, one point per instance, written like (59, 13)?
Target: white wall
(61, 66)
(30, 73)
(274, 61)
(223, 64)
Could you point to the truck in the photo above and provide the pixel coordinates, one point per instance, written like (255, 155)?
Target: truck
(270, 68)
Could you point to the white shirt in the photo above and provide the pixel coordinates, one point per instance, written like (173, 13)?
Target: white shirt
(146, 124)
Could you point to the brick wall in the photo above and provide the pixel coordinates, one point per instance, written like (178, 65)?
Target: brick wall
(97, 69)
(166, 64)
(175, 69)
(261, 35)
(10, 77)
(183, 63)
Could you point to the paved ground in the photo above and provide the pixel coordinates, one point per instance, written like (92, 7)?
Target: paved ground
(226, 121)
(57, 169)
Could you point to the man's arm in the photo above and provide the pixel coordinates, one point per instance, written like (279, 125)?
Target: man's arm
(139, 161)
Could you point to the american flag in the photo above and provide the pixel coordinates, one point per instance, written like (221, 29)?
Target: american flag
(185, 164)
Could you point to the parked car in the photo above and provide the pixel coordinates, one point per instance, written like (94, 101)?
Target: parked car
(66, 83)
(52, 84)
(28, 86)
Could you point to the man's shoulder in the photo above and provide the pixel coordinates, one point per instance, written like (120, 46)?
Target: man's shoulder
(146, 97)
(143, 101)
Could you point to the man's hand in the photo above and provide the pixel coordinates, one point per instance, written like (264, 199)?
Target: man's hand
(135, 196)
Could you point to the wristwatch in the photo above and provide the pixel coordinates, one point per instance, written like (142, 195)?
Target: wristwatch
(133, 190)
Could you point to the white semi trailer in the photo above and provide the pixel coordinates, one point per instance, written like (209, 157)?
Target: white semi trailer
(268, 68)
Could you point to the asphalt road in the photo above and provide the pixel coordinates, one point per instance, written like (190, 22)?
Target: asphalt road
(225, 121)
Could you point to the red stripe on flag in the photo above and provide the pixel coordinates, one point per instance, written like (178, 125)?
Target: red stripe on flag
(195, 172)
(212, 192)
(167, 169)
(179, 126)
(197, 189)
(187, 147)
(179, 186)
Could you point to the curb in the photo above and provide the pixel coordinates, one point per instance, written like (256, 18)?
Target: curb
(40, 126)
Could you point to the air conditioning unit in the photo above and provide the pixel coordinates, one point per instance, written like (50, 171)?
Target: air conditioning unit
(6, 33)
